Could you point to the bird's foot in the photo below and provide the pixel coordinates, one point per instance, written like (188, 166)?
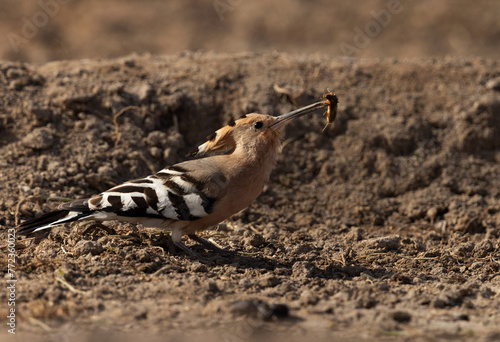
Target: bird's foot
(210, 245)
(192, 253)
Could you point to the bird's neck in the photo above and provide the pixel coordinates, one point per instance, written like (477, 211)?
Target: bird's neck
(259, 159)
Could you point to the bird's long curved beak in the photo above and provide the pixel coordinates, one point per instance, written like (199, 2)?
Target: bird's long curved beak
(288, 117)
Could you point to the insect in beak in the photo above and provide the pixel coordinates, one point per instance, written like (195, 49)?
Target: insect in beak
(331, 102)
(288, 117)
(331, 113)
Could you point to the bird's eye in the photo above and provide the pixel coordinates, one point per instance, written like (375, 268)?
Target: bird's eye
(258, 125)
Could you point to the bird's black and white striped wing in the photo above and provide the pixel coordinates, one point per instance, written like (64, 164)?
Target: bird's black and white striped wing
(174, 193)
(168, 194)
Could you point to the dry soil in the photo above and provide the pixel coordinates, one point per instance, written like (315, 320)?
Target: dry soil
(384, 227)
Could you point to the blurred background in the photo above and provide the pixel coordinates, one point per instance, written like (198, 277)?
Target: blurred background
(45, 30)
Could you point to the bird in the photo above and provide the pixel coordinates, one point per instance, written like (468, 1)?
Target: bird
(230, 171)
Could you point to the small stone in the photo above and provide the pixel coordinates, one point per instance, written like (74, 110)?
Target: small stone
(155, 152)
(173, 102)
(401, 316)
(157, 139)
(114, 88)
(324, 307)
(40, 139)
(355, 234)
(251, 308)
(493, 84)
(129, 62)
(258, 309)
(245, 283)
(141, 314)
(464, 249)
(175, 139)
(439, 303)
(13, 73)
(269, 281)
(170, 156)
(41, 115)
(402, 278)
(366, 302)
(84, 247)
(255, 240)
(54, 166)
(139, 92)
(432, 213)
(387, 243)
(461, 317)
(198, 267)
(212, 287)
(303, 269)
(482, 249)
(143, 255)
(43, 161)
(470, 225)
(307, 297)
(280, 310)
(107, 172)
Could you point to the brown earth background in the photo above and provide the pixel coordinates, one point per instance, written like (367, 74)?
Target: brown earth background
(384, 227)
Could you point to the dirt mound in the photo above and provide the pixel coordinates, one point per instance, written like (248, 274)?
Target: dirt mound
(387, 223)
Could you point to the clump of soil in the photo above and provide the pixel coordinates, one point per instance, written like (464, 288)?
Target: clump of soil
(386, 223)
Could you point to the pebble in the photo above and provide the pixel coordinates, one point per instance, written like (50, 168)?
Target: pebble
(387, 243)
(143, 255)
(157, 139)
(432, 213)
(107, 172)
(303, 269)
(84, 247)
(129, 62)
(307, 297)
(470, 225)
(402, 278)
(269, 281)
(400, 316)
(482, 248)
(355, 234)
(155, 152)
(198, 267)
(464, 248)
(40, 139)
(255, 240)
(245, 283)
(173, 102)
(212, 287)
(41, 115)
(139, 92)
(259, 309)
(493, 84)
(13, 73)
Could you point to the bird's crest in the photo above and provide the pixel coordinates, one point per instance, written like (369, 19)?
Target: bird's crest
(220, 142)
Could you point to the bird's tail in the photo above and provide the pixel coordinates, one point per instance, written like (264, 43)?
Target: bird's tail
(68, 212)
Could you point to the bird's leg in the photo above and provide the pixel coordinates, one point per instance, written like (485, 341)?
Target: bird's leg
(208, 244)
(186, 249)
(176, 239)
(192, 253)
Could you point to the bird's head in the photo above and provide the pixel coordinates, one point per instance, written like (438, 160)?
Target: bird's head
(253, 131)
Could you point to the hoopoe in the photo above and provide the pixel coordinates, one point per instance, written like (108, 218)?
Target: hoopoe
(193, 195)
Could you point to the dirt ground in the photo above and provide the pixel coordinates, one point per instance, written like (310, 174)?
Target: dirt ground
(384, 227)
